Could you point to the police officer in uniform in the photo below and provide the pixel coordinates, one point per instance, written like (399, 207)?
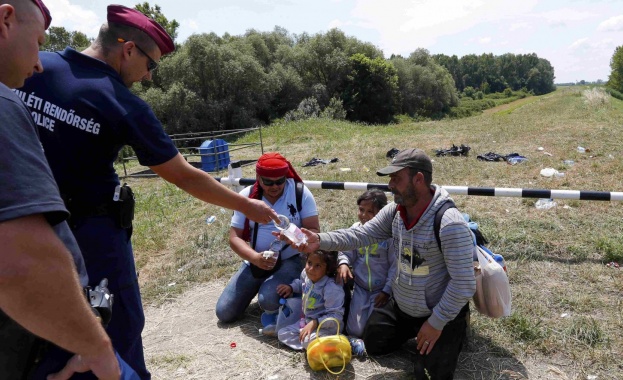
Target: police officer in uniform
(86, 114)
(40, 291)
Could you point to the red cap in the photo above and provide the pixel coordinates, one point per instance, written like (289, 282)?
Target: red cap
(46, 12)
(131, 17)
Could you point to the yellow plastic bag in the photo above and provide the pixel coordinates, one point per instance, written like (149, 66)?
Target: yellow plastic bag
(331, 351)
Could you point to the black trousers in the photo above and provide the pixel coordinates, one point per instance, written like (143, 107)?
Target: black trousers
(19, 349)
(388, 328)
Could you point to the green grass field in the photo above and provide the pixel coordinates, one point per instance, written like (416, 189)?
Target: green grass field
(567, 304)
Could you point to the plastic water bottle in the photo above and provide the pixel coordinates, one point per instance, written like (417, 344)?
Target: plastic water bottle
(516, 160)
(291, 231)
(358, 348)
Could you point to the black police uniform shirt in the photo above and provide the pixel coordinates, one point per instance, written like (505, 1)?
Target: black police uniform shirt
(85, 115)
(26, 183)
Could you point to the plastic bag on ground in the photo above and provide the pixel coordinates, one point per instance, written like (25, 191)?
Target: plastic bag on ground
(545, 204)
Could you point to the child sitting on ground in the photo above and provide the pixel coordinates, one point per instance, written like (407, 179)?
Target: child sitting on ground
(322, 299)
(374, 269)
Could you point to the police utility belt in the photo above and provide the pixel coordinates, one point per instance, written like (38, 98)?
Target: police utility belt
(120, 207)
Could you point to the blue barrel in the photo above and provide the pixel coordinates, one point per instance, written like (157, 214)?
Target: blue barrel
(215, 155)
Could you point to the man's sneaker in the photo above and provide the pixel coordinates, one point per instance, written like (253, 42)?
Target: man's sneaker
(357, 346)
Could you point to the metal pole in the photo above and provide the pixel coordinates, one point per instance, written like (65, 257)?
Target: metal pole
(584, 195)
(261, 141)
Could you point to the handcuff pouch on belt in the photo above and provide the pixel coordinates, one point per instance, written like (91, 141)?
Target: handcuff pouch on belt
(124, 205)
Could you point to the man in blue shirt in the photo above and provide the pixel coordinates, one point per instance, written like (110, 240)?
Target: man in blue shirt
(40, 292)
(86, 114)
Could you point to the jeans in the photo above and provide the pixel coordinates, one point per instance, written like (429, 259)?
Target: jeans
(389, 327)
(242, 287)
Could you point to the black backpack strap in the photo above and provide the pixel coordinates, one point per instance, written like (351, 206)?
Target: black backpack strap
(437, 225)
(299, 195)
(254, 239)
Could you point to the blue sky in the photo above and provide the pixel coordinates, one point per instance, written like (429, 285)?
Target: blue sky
(578, 37)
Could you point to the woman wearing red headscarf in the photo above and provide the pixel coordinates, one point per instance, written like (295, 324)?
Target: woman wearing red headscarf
(276, 185)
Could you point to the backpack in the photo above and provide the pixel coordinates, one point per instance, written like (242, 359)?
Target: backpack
(478, 236)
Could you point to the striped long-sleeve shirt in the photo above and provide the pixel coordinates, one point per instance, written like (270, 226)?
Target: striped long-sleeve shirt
(428, 282)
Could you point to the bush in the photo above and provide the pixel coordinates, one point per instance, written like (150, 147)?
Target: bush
(469, 91)
(614, 93)
(596, 97)
(335, 110)
(308, 108)
(508, 92)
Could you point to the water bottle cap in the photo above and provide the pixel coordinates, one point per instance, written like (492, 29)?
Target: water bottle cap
(282, 301)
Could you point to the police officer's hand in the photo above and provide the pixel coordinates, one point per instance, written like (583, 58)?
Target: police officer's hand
(260, 212)
(104, 366)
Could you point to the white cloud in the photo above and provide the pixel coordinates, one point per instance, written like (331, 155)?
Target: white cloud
(191, 24)
(74, 17)
(404, 25)
(337, 23)
(582, 43)
(484, 40)
(612, 24)
(564, 16)
(518, 26)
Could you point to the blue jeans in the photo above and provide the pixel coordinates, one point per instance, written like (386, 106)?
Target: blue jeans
(242, 287)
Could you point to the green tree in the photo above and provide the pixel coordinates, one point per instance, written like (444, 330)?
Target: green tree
(228, 87)
(371, 91)
(426, 88)
(155, 13)
(58, 38)
(615, 79)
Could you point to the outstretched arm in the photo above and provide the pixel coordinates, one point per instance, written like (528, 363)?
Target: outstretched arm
(202, 186)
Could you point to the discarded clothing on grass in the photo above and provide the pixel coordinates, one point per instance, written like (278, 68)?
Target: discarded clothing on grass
(317, 161)
(392, 152)
(491, 156)
(462, 150)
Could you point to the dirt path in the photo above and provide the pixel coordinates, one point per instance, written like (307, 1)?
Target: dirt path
(515, 104)
(183, 340)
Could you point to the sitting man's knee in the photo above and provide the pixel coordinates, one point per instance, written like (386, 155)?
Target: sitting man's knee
(268, 301)
(224, 313)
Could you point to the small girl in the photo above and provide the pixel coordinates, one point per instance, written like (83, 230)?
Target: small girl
(322, 299)
(374, 268)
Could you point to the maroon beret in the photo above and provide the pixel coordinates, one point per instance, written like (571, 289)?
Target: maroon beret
(46, 13)
(131, 17)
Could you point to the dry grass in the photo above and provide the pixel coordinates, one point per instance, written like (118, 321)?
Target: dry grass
(567, 305)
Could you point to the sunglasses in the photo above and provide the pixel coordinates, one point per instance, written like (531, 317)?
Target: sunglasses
(270, 182)
(151, 64)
